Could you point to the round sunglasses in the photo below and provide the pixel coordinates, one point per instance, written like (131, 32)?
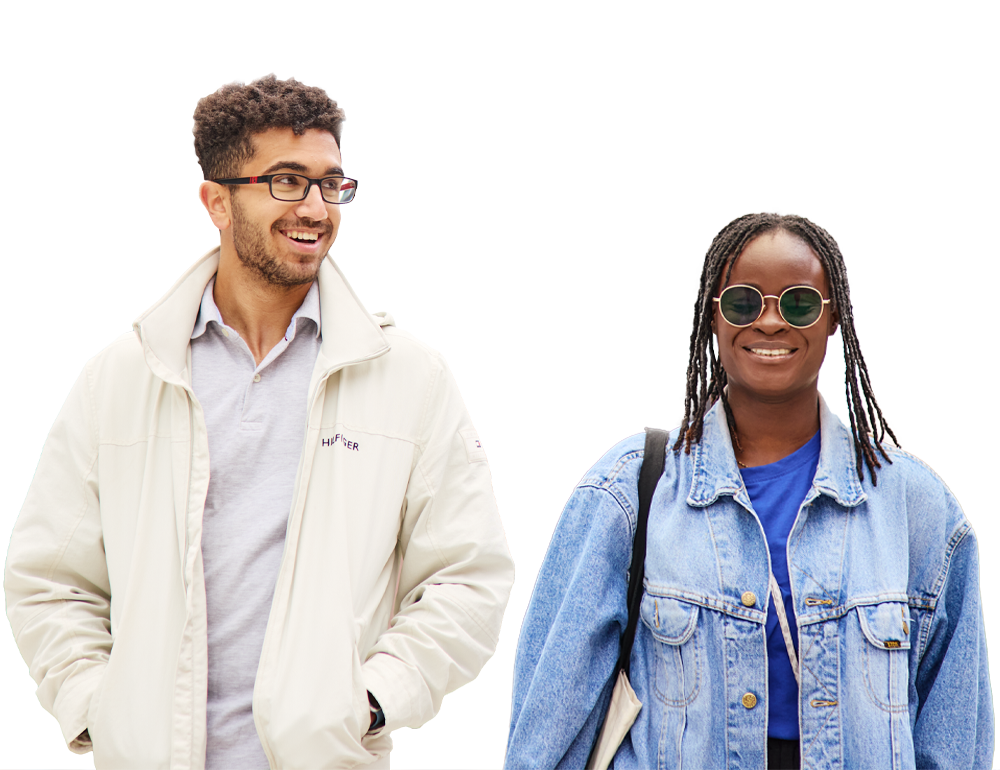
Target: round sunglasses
(800, 306)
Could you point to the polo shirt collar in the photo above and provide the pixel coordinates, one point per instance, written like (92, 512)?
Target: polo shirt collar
(209, 312)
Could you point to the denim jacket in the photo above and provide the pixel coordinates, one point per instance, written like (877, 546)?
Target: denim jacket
(885, 584)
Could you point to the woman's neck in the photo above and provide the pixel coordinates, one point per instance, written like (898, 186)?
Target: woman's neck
(768, 431)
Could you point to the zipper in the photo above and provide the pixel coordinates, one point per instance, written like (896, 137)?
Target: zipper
(283, 569)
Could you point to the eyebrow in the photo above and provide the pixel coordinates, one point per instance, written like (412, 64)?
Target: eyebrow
(291, 165)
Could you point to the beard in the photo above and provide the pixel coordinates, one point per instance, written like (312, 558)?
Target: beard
(252, 247)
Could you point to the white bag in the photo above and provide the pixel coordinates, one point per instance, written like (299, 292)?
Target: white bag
(622, 711)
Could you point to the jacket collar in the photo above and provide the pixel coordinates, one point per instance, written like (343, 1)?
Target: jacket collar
(716, 473)
(350, 333)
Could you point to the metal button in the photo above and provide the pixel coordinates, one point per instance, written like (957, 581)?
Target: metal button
(256, 378)
(749, 599)
(749, 700)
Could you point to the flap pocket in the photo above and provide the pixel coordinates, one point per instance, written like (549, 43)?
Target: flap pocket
(671, 621)
(886, 625)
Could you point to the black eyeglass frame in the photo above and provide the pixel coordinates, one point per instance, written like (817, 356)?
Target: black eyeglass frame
(763, 304)
(266, 178)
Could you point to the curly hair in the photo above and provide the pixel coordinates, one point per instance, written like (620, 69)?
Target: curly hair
(225, 122)
(706, 379)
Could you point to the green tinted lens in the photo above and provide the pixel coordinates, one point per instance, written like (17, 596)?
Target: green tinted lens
(801, 306)
(741, 305)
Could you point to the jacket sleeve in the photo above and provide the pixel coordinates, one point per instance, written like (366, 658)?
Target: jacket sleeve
(953, 715)
(56, 580)
(571, 633)
(456, 570)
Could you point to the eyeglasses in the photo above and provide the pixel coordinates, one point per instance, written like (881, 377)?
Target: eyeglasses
(295, 187)
(800, 306)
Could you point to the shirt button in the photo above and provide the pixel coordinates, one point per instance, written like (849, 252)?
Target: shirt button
(749, 700)
(749, 599)
(225, 332)
(256, 378)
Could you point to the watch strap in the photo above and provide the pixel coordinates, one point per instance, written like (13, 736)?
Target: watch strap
(377, 716)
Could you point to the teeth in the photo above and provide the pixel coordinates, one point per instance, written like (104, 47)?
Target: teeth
(771, 351)
(302, 236)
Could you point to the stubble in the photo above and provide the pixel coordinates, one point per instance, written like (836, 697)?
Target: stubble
(252, 249)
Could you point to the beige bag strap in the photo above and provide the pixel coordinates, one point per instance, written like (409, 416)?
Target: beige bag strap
(786, 629)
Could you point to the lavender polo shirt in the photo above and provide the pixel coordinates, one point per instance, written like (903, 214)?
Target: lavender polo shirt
(256, 420)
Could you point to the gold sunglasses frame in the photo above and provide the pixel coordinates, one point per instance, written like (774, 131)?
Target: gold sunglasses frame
(763, 304)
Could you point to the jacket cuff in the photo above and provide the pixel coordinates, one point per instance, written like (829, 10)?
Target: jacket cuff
(72, 705)
(399, 690)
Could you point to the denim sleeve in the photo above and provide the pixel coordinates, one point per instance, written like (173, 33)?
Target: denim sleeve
(569, 640)
(953, 723)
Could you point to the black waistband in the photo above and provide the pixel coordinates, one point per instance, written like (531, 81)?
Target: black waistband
(782, 754)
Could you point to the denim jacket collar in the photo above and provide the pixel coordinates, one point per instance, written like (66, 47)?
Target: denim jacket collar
(716, 473)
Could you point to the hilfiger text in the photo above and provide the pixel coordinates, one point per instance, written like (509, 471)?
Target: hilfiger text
(342, 440)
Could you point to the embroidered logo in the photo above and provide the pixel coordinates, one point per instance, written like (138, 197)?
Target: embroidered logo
(342, 440)
(473, 446)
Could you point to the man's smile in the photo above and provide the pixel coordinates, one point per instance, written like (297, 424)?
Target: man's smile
(301, 235)
(304, 240)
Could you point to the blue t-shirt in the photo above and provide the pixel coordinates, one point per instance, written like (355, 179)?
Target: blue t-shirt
(776, 492)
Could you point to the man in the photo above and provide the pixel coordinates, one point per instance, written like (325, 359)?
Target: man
(262, 531)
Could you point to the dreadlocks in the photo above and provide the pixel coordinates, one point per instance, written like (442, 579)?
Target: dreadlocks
(706, 379)
(225, 122)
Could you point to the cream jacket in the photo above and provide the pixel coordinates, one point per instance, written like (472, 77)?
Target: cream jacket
(395, 571)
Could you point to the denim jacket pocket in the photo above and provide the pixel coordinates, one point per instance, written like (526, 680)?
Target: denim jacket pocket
(886, 628)
(674, 626)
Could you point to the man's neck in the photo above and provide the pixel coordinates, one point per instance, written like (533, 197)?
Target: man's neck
(260, 312)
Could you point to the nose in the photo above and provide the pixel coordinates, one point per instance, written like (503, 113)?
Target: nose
(312, 206)
(770, 320)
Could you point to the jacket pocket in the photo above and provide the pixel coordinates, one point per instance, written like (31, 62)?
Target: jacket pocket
(674, 626)
(886, 628)
(94, 709)
(377, 744)
(360, 699)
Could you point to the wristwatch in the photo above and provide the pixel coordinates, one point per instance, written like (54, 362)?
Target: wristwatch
(377, 717)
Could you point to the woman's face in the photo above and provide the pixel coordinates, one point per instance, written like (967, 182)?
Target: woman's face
(770, 360)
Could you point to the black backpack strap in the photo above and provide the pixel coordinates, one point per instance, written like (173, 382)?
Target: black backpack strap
(653, 459)
(649, 475)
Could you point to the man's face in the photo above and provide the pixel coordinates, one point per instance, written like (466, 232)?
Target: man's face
(272, 238)
(770, 360)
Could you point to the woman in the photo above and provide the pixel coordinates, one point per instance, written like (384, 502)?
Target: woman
(882, 661)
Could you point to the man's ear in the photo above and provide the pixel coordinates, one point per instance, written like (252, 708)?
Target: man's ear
(217, 201)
